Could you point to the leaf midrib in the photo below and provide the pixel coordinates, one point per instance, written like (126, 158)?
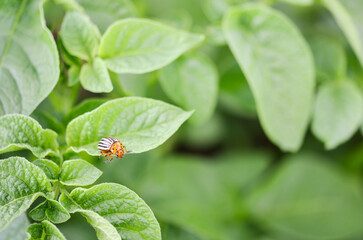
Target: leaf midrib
(12, 30)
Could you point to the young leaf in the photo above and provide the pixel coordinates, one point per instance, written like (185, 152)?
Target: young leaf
(79, 173)
(50, 209)
(126, 211)
(140, 46)
(192, 82)
(16, 230)
(49, 167)
(348, 15)
(104, 229)
(140, 124)
(338, 113)
(44, 230)
(73, 75)
(293, 204)
(55, 212)
(80, 36)
(279, 68)
(38, 213)
(21, 183)
(22, 132)
(104, 13)
(95, 77)
(29, 65)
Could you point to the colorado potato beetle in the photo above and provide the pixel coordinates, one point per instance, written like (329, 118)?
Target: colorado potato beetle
(110, 145)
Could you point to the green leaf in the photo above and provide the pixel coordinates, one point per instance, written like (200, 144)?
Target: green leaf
(51, 210)
(126, 211)
(38, 213)
(104, 13)
(140, 124)
(95, 77)
(338, 113)
(29, 65)
(308, 199)
(49, 167)
(278, 66)
(140, 45)
(329, 57)
(80, 36)
(45, 230)
(21, 183)
(78, 172)
(192, 82)
(104, 229)
(73, 75)
(22, 132)
(348, 15)
(16, 230)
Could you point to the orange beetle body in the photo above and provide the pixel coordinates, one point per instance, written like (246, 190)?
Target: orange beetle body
(109, 146)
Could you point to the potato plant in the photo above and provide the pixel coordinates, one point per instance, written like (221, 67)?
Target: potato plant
(243, 119)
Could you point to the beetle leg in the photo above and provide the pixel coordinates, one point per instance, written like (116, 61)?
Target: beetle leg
(106, 156)
(125, 150)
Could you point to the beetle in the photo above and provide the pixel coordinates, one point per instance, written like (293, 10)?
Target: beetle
(110, 145)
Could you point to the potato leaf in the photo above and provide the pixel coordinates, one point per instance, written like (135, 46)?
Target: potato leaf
(51, 210)
(44, 230)
(80, 36)
(279, 68)
(126, 211)
(348, 15)
(140, 46)
(140, 124)
(50, 168)
(338, 113)
(29, 65)
(78, 172)
(22, 132)
(95, 78)
(21, 182)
